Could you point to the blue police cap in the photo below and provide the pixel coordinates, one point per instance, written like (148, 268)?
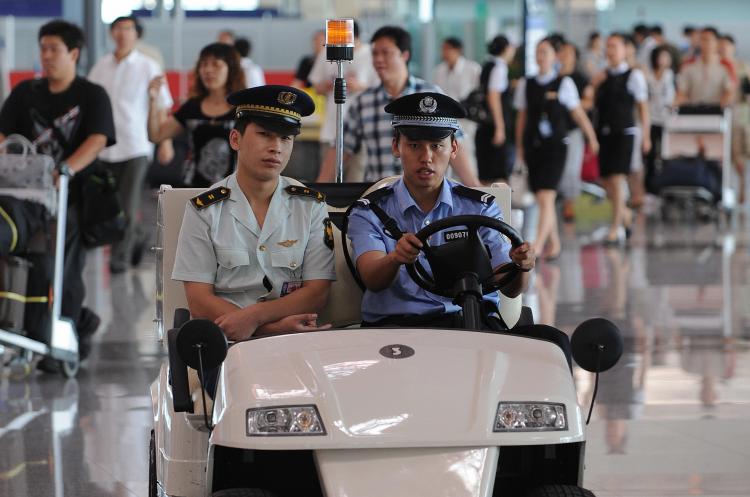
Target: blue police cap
(275, 107)
(426, 115)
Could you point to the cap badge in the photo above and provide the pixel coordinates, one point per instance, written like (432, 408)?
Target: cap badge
(286, 98)
(428, 105)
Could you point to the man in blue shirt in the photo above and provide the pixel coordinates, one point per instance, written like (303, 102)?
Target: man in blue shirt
(424, 140)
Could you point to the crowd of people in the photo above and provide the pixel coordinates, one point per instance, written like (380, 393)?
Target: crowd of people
(608, 104)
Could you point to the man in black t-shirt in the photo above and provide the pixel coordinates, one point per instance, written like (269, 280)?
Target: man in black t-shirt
(69, 119)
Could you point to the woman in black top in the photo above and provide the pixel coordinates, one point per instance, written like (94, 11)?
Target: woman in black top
(206, 116)
(545, 105)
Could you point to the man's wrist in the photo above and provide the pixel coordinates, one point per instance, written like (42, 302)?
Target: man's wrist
(66, 170)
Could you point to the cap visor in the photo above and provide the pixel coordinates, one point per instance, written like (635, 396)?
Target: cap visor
(425, 132)
(280, 126)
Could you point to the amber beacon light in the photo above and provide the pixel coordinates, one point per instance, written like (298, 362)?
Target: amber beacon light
(339, 39)
(339, 49)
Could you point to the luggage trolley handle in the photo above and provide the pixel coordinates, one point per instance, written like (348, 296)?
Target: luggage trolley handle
(62, 219)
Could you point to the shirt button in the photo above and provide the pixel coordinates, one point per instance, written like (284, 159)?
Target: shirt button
(426, 222)
(292, 264)
(262, 248)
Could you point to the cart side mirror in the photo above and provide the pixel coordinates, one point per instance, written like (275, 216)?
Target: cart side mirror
(201, 344)
(597, 345)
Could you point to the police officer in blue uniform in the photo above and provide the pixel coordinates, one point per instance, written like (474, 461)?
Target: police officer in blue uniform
(255, 252)
(424, 125)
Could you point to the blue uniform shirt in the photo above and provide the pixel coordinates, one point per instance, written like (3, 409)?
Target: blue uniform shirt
(404, 296)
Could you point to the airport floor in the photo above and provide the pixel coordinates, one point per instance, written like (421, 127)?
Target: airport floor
(672, 418)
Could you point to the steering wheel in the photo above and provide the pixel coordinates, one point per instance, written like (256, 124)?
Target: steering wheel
(452, 260)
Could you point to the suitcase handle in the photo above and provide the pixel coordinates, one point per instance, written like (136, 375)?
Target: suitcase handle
(16, 139)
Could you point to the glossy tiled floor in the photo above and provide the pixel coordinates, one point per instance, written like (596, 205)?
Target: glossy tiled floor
(672, 418)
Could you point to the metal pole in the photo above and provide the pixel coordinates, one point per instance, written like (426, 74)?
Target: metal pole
(340, 122)
(62, 213)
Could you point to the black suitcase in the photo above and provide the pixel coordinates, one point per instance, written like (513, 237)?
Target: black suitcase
(693, 172)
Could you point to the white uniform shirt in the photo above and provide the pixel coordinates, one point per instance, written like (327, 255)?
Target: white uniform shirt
(459, 81)
(567, 94)
(498, 80)
(223, 245)
(254, 75)
(126, 83)
(360, 68)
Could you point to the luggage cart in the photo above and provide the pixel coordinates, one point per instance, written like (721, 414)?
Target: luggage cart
(705, 132)
(63, 339)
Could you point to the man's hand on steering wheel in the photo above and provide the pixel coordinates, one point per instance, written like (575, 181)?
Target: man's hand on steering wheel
(407, 249)
(523, 256)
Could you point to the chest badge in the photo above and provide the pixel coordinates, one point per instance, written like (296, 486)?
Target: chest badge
(287, 243)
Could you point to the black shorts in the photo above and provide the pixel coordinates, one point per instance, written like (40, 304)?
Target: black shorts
(615, 154)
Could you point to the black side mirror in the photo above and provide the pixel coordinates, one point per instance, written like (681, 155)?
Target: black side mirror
(597, 345)
(201, 344)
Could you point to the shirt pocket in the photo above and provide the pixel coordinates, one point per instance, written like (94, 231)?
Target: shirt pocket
(288, 261)
(234, 272)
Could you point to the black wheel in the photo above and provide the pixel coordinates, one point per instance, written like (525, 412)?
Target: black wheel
(69, 369)
(559, 491)
(243, 492)
(152, 491)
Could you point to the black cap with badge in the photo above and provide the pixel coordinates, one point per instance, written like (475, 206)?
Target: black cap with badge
(426, 115)
(275, 107)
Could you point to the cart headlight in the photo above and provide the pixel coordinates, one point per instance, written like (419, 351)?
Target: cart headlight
(530, 416)
(283, 421)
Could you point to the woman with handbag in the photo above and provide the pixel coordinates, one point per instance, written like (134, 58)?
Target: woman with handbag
(206, 116)
(545, 104)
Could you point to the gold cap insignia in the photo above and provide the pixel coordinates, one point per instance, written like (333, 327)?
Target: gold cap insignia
(286, 98)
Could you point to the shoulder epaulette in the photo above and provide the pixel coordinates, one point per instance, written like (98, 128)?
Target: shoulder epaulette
(473, 194)
(210, 197)
(374, 196)
(303, 191)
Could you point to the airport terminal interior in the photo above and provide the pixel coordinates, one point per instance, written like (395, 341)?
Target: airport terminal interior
(671, 417)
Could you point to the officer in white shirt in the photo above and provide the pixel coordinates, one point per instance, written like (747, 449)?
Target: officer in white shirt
(125, 75)
(255, 252)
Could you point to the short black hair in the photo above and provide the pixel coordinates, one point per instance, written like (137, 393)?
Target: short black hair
(641, 29)
(594, 35)
(497, 45)
(356, 29)
(454, 42)
(243, 46)
(688, 30)
(656, 29)
(656, 53)
(136, 23)
(70, 34)
(727, 37)
(399, 35)
(556, 40)
(710, 29)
